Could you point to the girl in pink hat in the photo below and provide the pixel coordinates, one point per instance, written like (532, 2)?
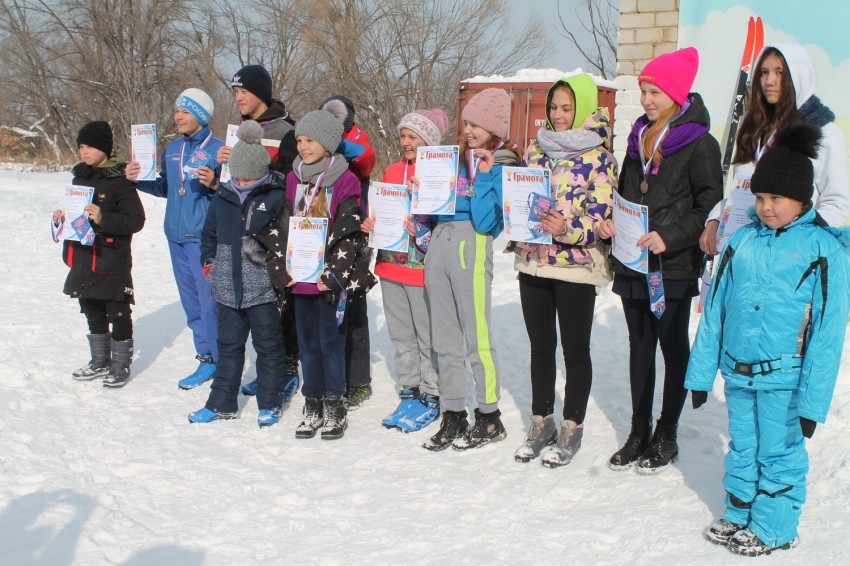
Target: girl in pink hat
(672, 167)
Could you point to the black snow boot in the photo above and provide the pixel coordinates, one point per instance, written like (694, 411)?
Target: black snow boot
(663, 449)
(453, 426)
(335, 419)
(119, 369)
(636, 444)
(488, 428)
(314, 418)
(98, 366)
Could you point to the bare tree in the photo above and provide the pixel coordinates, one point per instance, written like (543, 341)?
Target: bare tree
(598, 18)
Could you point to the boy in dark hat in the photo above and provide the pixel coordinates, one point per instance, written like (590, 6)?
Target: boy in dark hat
(100, 275)
(774, 324)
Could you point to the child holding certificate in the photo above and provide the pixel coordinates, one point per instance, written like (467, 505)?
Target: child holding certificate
(774, 323)
(459, 275)
(235, 264)
(321, 187)
(188, 169)
(563, 279)
(100, 275)
(403, 288)
(673, 168)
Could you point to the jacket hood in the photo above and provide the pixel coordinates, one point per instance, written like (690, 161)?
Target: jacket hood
(275, 111)
(841, 233)
(800, 66)
(586, 94)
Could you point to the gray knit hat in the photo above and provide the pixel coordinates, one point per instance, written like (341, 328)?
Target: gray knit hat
(248, 158)
(321, 126)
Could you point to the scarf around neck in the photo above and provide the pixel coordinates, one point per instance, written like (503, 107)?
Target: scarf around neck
(310, 173)
(815, 112)
(557, 145)
(678, 136)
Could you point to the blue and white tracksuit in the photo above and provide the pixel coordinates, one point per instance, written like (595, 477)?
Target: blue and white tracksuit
(774, 324)
(184, 220)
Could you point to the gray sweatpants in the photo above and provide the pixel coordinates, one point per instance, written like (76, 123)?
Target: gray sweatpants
(459, 278)
(409, 324)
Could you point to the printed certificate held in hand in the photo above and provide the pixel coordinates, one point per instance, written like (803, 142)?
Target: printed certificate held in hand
(632, 222)
(305, 249)
(143, 150)
(76, 226)
(736, 212)
(437, 169)
(389, 207)
(525, 197)
(229, 140)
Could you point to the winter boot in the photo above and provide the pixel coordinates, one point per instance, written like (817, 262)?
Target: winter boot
(721, 531)
(746, 543)
(335, 419)
(204, 415)
(98, 366)
(569, 441)
(635, 445)
(290, 386)
(423, 412)
(291, 365)
(355, 398)
(314, 418)
(249, 389)
(205, 372)
(663, 450)
(453, 426)
(119, 369)
(541, 434)
(488, 428)
(268, 417)
(409, 397)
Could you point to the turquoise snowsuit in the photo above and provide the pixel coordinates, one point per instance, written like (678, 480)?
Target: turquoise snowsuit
(773, 323)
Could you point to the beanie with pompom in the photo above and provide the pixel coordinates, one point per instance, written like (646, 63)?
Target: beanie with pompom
(249, 160)
(786, 168)
(430, 125)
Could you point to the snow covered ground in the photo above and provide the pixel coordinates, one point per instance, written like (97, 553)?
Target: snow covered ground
(96, 476)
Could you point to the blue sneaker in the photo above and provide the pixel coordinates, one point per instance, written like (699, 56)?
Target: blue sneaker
(424, 412)
(205, 415)
(205, 372)
(409, 397)
(249, 389)
(268, 417)
(290, 387)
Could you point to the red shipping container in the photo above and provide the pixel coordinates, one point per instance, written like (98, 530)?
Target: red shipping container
(528, 106)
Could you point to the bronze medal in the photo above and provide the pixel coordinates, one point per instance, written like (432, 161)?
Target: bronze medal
(470, 190)
(644, 186)
(182, 190)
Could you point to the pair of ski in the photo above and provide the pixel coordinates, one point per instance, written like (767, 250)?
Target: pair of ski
(752, 47)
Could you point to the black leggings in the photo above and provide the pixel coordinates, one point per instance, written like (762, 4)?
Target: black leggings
(100, 314)
(645, 333)
(573, 303)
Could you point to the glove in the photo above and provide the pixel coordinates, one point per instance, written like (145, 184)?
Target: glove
(207, 268)
(807, 426)
(698, 398)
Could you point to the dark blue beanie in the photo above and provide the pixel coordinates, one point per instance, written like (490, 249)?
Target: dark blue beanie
(256, 80)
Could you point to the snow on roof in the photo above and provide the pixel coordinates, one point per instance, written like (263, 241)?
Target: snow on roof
(536, 76)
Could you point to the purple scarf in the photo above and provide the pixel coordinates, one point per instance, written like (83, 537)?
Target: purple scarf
(678, 136)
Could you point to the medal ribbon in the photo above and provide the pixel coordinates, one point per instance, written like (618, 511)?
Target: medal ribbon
(317, 185)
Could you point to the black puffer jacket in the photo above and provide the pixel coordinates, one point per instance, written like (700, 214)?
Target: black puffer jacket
(688, 185)
(102, 270)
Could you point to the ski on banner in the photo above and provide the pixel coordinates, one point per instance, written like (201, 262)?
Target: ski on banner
(752, 47)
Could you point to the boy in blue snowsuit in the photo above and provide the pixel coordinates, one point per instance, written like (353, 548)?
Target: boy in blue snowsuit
(184, 184)
(774, 324)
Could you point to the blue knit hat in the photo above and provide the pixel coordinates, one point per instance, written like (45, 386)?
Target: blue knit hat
(197, 103)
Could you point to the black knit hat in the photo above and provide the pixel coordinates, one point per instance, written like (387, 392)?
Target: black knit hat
(256, 80)
(342, 107)
(98, 135)
(786, 168)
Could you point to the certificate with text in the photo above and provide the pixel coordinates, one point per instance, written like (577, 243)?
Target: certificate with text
(229, 140)
(736, 210)
(305, 248)
(632, 222)
(143, 150)
(389, 207)
(437, 170)
(76, 226)
(525, 196)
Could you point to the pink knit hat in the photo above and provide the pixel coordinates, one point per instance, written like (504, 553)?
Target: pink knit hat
(489, 109)
(674, 73)
(430, 125)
